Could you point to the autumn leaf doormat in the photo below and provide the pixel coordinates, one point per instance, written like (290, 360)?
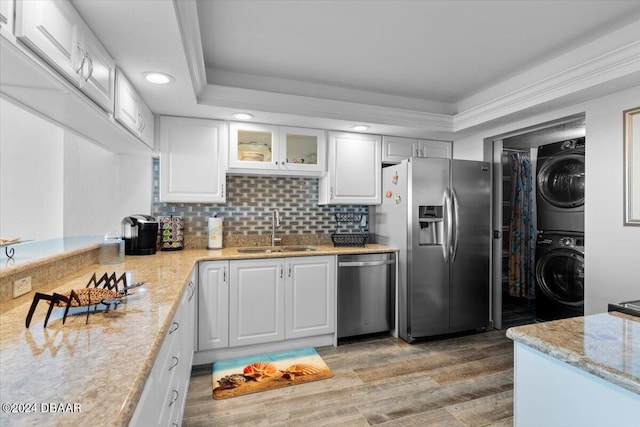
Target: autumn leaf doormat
(251, 374)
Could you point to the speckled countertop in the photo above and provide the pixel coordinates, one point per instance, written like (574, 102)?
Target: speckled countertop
(100, 368)
(606, 345)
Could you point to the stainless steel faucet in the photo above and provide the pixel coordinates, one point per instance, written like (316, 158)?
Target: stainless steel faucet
(275, 223)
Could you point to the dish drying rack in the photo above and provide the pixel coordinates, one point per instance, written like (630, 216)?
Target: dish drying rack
(357, 235)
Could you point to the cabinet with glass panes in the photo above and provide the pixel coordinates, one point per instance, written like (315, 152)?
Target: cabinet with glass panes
(285, 150)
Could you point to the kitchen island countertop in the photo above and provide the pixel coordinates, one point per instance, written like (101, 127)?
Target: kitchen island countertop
(606, 345)
(92, 370)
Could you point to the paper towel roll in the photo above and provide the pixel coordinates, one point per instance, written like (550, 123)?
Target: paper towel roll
(215, 233)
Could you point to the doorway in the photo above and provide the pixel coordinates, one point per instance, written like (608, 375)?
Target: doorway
(514, 160)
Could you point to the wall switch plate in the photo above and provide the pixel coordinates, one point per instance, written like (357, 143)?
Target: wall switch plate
(21, 286)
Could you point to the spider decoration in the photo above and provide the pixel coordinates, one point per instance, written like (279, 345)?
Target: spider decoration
(104, 291)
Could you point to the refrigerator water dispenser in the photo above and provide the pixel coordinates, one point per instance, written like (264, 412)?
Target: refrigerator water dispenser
(431, 225)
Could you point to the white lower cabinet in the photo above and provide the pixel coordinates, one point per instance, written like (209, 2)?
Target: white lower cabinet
(213, 305)
(165, 391)
(310, 296)
(265, 300)
(256, 301)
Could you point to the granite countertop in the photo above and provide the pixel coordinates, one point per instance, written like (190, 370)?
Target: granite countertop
(25, 254)
(97, 371)
(606, 345)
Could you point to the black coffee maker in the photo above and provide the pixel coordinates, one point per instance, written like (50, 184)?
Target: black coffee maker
(140, 234)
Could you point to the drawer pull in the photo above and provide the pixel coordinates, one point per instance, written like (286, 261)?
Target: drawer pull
(174, 364)
(175, 394)
(177, 325)
(193, 291)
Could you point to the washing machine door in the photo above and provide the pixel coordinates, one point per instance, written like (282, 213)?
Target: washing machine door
(560, 276)
(561, 180)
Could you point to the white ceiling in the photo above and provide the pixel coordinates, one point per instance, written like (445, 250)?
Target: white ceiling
(330, 63)
(441, 51)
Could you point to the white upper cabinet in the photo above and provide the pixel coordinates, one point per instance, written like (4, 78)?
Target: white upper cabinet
(395, 149)
(132, 112)
(98, 70)
(354, 170)
(253, 146)
(303, 149)
(6, 16)
(51, 28)
(193, 160)
(434, 148)
(55, 31)
(277, 150)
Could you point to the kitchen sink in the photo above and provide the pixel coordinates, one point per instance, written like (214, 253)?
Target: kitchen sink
(298, 249)
(258, 250)
(276, 249)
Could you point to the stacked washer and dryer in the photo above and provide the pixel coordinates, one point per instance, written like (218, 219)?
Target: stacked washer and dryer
(560, 243)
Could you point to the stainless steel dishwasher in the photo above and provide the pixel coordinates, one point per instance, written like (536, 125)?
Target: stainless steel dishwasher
(366, 294)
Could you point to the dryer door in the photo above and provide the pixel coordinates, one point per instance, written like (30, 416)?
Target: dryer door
(561, 180)
(560, 276)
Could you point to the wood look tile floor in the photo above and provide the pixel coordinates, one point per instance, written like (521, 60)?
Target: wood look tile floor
(458, 381)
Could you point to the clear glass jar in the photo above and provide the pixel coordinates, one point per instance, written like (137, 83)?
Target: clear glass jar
(111, 249)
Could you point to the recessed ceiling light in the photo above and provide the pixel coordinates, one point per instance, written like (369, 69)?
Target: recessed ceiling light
(360, 128)
(158, 78)
(243, 116)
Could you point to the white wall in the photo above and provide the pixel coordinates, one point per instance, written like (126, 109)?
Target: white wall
(31, 183)
(91, 189)
(612, 251)
(54, 183)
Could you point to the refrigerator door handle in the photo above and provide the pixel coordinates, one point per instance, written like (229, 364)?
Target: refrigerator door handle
(447, 242)
(454, 250)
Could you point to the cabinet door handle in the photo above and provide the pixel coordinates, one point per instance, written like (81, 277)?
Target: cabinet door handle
(331, 192)
(86, 79)
(83, 56)
(281, 271)
(193, 291)
(175, 396)
(176, 359)
(141, 123)
(289, 271)
(177, 325)
(221, 190)
(224, 274)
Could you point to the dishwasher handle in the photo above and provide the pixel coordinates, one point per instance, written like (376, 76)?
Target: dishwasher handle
(364, 263)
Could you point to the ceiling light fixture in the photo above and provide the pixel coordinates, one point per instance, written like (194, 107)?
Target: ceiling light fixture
(242, 116)
(360, 128)
(158, 78)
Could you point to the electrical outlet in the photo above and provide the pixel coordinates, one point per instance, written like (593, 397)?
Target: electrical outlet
(21, 286)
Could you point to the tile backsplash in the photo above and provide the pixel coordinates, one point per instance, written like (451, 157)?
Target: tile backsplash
(249, 206)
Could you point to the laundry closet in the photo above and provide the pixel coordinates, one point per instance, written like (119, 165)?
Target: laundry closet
(538, 256)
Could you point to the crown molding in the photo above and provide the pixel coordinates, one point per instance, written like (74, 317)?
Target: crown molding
(189, 25)
(250, 99)
(616, 64)
(574, 75)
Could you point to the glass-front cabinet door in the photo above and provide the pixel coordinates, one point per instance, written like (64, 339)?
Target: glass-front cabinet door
(304, 149)
(287, 150)
(253, 146)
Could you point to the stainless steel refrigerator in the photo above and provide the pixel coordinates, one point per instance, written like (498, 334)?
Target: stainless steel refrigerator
(437, 211)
